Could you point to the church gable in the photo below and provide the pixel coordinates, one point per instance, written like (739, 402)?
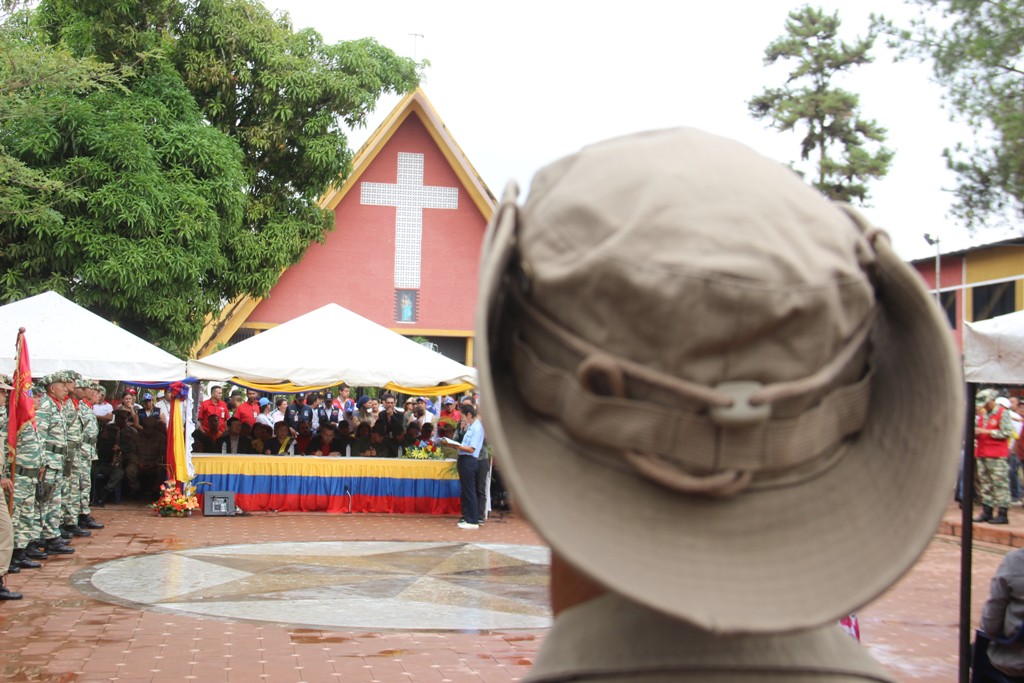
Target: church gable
(408, 229)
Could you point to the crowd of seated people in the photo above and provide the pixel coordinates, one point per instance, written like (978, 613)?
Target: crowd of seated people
(322, 424)
(132, 443)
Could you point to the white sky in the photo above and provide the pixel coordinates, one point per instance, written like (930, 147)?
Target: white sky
(520, 84)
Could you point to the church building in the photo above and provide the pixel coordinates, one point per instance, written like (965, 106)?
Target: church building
(408, 227)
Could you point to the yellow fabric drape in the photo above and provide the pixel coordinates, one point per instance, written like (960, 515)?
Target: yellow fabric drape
(289, 388)
(176, 442)
(311, 466)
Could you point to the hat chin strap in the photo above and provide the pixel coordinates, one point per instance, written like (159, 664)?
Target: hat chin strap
(719, 484)
(716, 453)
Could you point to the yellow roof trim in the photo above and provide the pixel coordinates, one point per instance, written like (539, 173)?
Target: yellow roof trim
(417, 103)
(426, 332)
(220, 330)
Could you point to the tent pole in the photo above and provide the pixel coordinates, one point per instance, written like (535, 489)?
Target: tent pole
(967, 537)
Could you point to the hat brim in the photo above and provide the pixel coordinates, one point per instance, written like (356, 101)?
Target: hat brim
(773, 559)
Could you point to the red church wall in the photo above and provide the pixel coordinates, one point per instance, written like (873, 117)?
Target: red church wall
(355, 267)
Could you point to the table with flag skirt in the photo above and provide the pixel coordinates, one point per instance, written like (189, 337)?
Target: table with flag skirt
(323, 484)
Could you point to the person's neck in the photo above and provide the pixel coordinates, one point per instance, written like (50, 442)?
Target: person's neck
(569, 586)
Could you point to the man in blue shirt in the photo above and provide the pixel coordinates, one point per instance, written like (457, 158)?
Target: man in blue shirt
(469, 460)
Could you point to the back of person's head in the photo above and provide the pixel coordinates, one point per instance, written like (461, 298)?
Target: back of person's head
(677, 324)
(469, 410)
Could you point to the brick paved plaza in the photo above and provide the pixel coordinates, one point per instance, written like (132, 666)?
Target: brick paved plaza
(61, 631)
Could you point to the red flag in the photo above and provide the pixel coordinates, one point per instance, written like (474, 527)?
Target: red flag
(21, 409)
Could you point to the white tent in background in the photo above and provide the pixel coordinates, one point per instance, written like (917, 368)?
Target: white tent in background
(994, 350)
(328, 346)
(993, 354)
(61, 335)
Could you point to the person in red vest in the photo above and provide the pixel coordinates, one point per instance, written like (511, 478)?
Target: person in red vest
(992, 430)
(214, 406)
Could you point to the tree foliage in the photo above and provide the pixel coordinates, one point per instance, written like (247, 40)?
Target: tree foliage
(174, 157)
(845, 149)
(977, 51)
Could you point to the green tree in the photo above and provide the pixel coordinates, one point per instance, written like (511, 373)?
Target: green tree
(846, 150)
(36, 80)
(977, 51)
(135, 197)
(195, 179)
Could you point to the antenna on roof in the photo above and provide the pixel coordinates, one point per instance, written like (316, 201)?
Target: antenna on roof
(415, 36)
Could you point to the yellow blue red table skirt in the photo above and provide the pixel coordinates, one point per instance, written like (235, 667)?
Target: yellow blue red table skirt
(332, 484)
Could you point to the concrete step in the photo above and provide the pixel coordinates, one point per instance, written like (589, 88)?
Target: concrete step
(1011, 534)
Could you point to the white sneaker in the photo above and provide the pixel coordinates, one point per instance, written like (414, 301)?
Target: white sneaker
(467, 525)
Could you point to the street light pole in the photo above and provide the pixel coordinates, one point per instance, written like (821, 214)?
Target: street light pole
(934, 241)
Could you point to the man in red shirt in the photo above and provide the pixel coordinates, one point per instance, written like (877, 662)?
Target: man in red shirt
(248, 411)
(450, 411)
(214, 406)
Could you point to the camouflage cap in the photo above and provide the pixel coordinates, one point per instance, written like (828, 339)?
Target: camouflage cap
(71, 376)
(83, 383)
(98, 387)
(984, 396)
(52, 378)
(6, 382)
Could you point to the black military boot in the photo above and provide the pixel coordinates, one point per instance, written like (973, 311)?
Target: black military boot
(65, 534)
(986, 514)
(13, 567)
(6, 593)
(76, 530)
(1000, 517)
(34, 552)
(35, 548)
(24, 561)
(55, 547)
(87, 522)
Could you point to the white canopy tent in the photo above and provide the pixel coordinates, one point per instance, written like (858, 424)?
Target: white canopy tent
(329, 346)
(994, 350)
(61, 335)
(993, 354)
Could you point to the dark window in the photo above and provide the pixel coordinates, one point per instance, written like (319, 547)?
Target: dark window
(993, 300)
(949, 307)
(242, 334)
(452, 347)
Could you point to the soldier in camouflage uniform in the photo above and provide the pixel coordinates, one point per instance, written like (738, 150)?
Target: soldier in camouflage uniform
(53, 432)
(27, 462)
(7, 487)
(86, 393)
(71, 491)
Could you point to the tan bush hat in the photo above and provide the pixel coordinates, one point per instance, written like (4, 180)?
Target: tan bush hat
(712, 390)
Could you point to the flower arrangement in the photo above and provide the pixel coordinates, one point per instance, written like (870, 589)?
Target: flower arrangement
(430, 452)
(176, 501)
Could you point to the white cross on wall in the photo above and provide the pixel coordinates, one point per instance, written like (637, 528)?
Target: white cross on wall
(410, 196)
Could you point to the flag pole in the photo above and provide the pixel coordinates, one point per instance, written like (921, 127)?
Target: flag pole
(21, 410)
